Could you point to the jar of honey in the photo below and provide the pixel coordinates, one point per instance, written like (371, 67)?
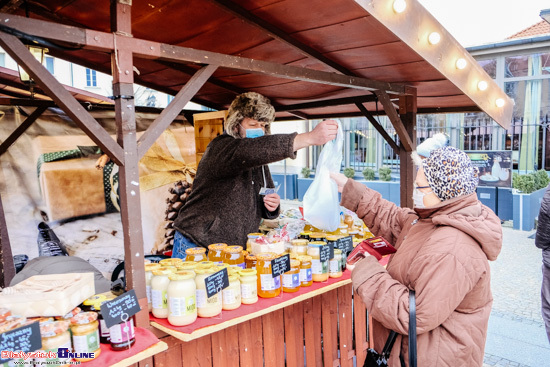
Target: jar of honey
(215, 252)
(206, 306)
(85, 331)
(250, 262)
(343, 230)
(187, 266)
(159, 286)
(231, 296)
(148, 276)
(181, 293)
(333, 239)
(249, 286)
(268, 286)
(299, 247)
(291, 279)
(317, 236)
(306, 276)
(233, 255)
(319, 269)
(195, 254)
(204, 265)
(304, 235)
(55, 335)
(170, 262)
(335, 265)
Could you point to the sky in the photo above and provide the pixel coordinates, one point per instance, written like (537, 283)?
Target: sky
(476, 22)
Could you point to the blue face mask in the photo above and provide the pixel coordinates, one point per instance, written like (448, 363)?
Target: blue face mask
(254, 133)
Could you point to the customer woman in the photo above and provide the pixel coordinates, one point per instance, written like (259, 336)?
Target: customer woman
(444, 245)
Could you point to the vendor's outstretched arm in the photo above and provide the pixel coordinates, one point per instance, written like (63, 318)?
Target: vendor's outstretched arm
(321, 134)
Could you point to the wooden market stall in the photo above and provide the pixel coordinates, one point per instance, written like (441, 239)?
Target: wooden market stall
(345, 58)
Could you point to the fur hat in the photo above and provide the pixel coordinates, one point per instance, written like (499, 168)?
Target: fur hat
(252, 105)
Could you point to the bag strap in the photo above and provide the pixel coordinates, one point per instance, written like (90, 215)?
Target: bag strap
(389, 343)
(412, 329)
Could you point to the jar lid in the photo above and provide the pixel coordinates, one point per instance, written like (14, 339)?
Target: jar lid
(245, 253)
(304, 258)
(170, 262)
(187, 265)
(305, 233)
(266, 256)
(163, 271)
(205, 264)
(343, 226)
(94, 299)
(251, 257)
(52, 328)
(233, 249)
(247, 272)
(73, 312)
(195, 251)
(171, 268)
(152, 266)
(232, 270)
(299, 242)
(217, 246)
(337, 251)
(333, 238)
(317, 243)
(294, 263)
(182, 275)
(220, 266)
(254, 235)
(233, 277)
(207, 270)
(84, 318)
(318, 235)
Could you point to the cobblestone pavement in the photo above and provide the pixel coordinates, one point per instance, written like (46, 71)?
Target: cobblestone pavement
(516, 281)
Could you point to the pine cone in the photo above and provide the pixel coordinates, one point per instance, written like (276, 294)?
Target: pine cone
(179, 195)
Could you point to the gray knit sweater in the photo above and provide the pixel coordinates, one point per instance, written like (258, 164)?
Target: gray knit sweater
(225, 204)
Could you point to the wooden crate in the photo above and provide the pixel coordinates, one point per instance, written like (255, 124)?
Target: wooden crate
(208, 125)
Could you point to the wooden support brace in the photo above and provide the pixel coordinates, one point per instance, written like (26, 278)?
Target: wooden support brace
(21, 129)
(378, 127)
(391, 112)
(6, 259)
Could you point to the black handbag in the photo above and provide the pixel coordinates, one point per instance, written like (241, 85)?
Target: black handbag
(375, 359)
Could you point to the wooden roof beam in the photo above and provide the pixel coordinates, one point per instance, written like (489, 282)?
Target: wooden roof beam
(327, 103)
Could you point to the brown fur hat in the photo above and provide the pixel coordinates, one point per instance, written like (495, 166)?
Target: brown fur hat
(252, 105)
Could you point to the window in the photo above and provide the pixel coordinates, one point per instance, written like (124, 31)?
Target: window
(49, 64)
(91, 78)
(490, 67)
(2, 59)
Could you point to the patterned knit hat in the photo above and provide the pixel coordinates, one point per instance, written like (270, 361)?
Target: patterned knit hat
(450, 173)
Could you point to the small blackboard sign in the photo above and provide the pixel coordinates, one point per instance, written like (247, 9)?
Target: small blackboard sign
(280, 265)
(345, 244)
(25, 339)
(120, 309)
(216, 282)
(326, 253)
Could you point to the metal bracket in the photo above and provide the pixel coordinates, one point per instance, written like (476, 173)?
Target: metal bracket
(123, 96)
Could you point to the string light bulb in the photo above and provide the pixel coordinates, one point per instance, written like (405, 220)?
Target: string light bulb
(461, 63)
(499, 102)
(399, 6)
(482, 85)
(434, 38)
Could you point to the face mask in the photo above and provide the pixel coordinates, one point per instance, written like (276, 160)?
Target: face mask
(418, 198)
(254, 133)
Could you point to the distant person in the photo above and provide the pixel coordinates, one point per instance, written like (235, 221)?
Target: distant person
(542, 241)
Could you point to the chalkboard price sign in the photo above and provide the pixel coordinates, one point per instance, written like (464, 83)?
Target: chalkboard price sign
(23, 339)
(345, 244)
(120, 309)
(327, 253)
(216, 282)
(280, 265)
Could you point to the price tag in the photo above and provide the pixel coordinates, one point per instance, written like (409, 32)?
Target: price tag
(325, 253)
(345, 244)
(280, 265)
(25, 339)
(216, 282)
(120, 309)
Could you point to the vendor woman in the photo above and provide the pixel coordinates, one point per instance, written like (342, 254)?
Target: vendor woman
(225, 204)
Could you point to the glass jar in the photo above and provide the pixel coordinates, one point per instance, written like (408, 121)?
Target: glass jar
(88, 304)
(123, 335)
(206, 307)
(159, 298)
(104, 334)
(231, 296)
(299, 247)
(306, 277)
(233, 255)
(85, 331)
(317, 236)
(333, 239)
(195, 254)
(181, 292)
(170, 262)
(250, 262)
(148, 276)
(319, 270)
(233, 270)
(204, 265)
(215, 252)
(291, 279)
(268, 286)
(304, 235)
(335, 265)
(54, 334)
(187, 266)
(251, 237)
(343, 230)
(249, 286)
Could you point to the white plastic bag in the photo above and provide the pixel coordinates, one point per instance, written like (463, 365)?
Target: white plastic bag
(321, 204)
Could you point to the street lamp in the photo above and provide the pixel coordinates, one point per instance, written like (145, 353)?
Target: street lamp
(38, 53)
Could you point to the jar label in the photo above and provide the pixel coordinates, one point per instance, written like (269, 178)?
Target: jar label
(122, 332)
(181, 306)
(306, 275)
(148, 291)
(319, 267)
(86, 343)
(268, 283)
(249, 290)
(159, 299)
(334, 266)
(203, 301)
(103, 329)
(230, 296)
(291, 280)
(53, 361)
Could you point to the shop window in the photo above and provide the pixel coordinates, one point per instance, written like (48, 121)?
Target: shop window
(490, 67)
(527, 65)
(91, 78)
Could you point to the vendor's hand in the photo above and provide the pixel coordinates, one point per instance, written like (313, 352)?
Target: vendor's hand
(272, 202)
(324, 132)
(340, 180)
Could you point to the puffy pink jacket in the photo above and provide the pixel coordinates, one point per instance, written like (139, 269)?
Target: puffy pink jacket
(442, 253)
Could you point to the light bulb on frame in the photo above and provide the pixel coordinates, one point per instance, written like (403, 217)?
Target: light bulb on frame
(499, 102)
(482, 85)
(461, 63)
(434, 38)
(399, 6)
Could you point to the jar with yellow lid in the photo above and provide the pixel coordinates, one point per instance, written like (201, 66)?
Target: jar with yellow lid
(319, 269)
(148, 276)
(195, 254)
(231, 296)
(268, 286)
(88, 303)
(317, 236)
(299, 246)
(250, 262)
(251, 237)
(181, 293)
(343, 230)
(335, 264)
(249, 286)
(204, 265)
(233, 255)
(187, 266)
(306, 276)
(85, 334)
(54, 334)
(171, 262)
(207, 307)
(159, 298)
(291, 279)
(233, 270)
(215, 252)
(304, 235)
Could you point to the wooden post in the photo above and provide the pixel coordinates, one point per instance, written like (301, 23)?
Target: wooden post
(407, 112)
(6, 259)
